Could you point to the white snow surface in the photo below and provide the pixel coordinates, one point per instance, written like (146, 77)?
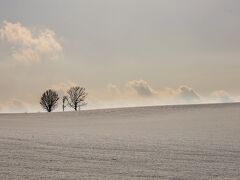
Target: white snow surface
(165, 142)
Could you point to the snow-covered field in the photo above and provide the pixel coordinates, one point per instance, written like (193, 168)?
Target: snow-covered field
(169, 142)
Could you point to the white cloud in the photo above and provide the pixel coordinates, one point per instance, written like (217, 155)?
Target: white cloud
(182, 94)
(113, 90)
(142, 88)
(14, 105)
(129, 94)
(62, 87)
(28, 45)
(187, 94)
(222, 96)
(141, 93)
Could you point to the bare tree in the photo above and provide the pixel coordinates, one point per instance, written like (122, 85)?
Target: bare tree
(64, 99)
(76, 97)
(49, 100)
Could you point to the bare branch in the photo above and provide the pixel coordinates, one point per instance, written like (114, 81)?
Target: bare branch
(49, 100)
(76, 97)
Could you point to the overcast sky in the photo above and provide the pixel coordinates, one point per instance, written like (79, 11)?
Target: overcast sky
(125, 52)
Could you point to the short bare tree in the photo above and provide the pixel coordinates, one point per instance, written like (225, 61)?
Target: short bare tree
(64, 100)
(76, 97)
(49, 100)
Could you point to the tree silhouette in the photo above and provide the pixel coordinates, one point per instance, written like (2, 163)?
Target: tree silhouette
(76, 97)
(49, 100)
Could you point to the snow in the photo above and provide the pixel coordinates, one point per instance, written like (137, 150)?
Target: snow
(165, 142)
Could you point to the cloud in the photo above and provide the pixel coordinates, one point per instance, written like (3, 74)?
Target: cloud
(17, 104)
(62, 87)
(222, 96)
(188, 94)
(141, 93)
(28, 45)
(142, 88)
(183, 93)
(127, 95)
(113, 90)
(14, 105)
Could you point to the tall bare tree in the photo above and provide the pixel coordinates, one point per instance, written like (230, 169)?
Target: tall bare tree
(64, 99)
(49, 100)
(76, 97)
